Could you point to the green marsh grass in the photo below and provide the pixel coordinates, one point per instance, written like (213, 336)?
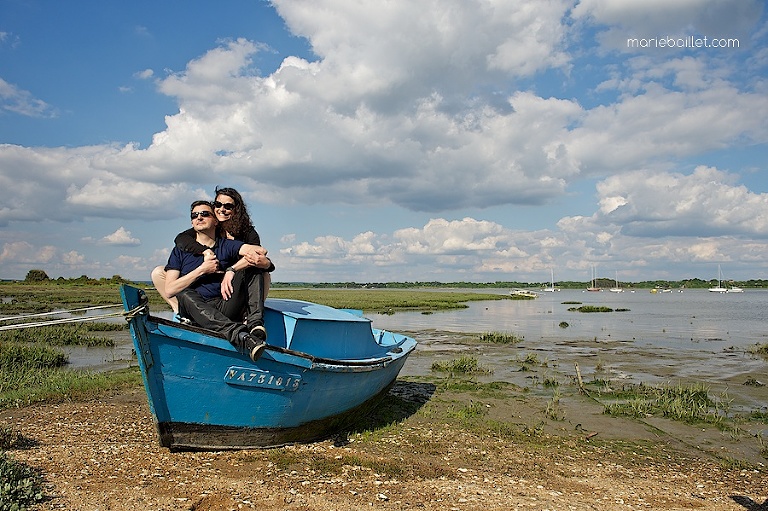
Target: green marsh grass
(554, 411)
(759, 349)
(55, 386)
(590, 308)
(34, 373)
(468, 411)
(461, 365)
(500, 338)
(385, 300)
(18, 297)
(62, 335)
(690, 404)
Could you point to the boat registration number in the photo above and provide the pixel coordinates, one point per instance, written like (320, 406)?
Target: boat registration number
(249, 377)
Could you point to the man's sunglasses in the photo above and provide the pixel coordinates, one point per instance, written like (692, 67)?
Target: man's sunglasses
(229, 206)
(203, 214)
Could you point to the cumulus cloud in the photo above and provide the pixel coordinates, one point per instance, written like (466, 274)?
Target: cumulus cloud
(441, 107)
(706, 203)
(430, 121)
(660, 18)
(23, 252)
(121, 237)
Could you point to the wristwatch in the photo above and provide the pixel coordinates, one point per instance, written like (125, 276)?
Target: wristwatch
(230, 269)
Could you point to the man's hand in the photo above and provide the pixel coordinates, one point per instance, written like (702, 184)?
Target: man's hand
(226, 285)
(209, 265)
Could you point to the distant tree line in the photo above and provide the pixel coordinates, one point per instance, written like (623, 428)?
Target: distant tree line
(603, 283)
(37, 276)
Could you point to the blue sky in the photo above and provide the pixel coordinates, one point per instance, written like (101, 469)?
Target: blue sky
(390, 141)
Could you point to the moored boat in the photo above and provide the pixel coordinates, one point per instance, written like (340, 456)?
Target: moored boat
(523, 293)
(551, 288)
(719, 287)
(322, 368)
(592, 285)
(616, 288)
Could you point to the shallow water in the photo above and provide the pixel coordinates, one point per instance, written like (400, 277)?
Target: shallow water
(678, 337)
(666, 338)
(663, 319)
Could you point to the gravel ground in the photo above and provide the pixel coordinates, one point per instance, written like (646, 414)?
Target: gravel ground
(104, 455)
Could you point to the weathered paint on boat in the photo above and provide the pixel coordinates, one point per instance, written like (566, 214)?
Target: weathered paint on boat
(323, 367)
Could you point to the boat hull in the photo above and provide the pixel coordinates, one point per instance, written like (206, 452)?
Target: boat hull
(204, 394)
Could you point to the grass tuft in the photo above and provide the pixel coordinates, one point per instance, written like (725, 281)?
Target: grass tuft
(500, 338)
(462, 365)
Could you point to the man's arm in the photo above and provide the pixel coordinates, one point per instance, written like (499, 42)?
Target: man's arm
(175, 282)
(250, 254)
(187, 241)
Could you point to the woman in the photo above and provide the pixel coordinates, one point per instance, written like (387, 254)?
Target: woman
(234, 223)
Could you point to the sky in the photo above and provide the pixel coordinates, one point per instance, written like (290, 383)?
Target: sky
(383, 141)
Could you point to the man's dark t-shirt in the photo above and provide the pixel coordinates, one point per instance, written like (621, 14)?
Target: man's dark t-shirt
(209, 286)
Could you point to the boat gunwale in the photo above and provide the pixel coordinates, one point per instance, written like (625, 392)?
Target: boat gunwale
(330, 362)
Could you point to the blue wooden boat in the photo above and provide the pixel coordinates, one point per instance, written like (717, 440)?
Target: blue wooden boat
(322, 368)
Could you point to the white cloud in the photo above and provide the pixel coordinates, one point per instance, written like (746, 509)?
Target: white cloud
(451, 107)
(24, 252)
(73, 258)
(121, 237)
(408, 121)
(145, 74)
(705, 203)
(22, 102)
(661, 18)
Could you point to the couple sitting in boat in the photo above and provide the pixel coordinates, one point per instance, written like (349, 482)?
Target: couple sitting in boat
(218, 273)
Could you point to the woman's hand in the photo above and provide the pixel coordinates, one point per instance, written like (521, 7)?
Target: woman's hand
(256, 256)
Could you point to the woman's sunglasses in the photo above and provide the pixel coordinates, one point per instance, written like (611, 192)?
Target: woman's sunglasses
(202, 214)
(229, 206)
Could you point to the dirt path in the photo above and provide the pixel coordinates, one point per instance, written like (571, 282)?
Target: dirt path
(103, 455)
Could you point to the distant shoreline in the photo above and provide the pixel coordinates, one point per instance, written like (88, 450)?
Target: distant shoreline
(602, 283)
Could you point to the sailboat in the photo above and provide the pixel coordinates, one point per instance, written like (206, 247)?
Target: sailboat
(551, 288)
(592, 286)
(719, 288)
(616, 288)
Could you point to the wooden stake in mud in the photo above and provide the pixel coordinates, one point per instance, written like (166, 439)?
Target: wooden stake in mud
(578, 377)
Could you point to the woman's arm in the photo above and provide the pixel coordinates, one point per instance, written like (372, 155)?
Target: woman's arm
(187, 241)
(256, 254)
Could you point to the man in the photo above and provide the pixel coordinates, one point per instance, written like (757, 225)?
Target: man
(216, 300)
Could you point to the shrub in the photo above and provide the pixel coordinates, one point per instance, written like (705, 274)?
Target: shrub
(20, 484)
(36, 276)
